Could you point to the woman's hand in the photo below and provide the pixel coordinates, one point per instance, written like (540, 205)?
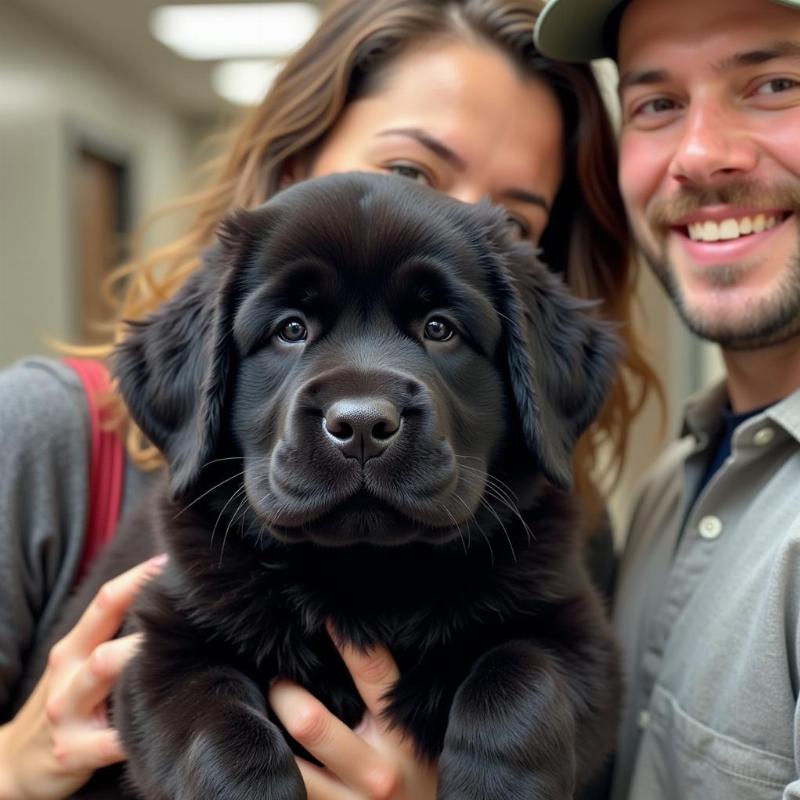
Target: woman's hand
(61, 735)
(368, 763)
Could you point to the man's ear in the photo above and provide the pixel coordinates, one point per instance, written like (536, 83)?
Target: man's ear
(175, 367)
(562, 361)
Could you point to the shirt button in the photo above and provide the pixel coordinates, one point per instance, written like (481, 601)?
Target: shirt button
(710, 527)
(644, 719)
(763, 436)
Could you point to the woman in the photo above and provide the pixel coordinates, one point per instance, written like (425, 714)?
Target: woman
(452, 94)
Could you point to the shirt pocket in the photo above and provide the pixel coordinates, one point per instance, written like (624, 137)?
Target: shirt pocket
(681, 759)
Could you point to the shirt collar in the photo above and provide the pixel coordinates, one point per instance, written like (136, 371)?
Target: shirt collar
(704, 412)
(787, 414)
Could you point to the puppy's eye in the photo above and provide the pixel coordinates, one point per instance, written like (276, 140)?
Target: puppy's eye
(293, 331)
(438, 330)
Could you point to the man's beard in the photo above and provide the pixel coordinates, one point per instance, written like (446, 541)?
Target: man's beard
(767, 320)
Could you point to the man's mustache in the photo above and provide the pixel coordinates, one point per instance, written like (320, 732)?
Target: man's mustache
(665, 213)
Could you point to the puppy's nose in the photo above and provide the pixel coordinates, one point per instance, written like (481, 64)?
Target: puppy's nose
(362, 428)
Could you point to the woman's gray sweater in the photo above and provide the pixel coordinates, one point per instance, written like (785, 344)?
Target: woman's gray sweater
(44, 488)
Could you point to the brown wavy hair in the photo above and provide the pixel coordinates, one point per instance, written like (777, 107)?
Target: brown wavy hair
(587, 237)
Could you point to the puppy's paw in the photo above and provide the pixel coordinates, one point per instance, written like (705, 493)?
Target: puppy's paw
(240, 765)
(511, 733)
(473, 775)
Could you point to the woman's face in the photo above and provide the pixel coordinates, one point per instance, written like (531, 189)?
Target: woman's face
(458, 117)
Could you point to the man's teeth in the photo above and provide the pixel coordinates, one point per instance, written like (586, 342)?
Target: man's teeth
(710, 231)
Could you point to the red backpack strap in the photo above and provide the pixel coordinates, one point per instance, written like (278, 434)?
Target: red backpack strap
(106, 463)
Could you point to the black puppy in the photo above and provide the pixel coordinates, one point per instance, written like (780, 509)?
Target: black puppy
(367, 398)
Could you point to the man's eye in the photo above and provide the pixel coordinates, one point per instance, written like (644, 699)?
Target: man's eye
(658, 105)
(438, 330)
(411, 172)
(293, 331)
(777, 85)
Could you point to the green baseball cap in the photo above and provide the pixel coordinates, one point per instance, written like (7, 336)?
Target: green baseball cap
(580, 30)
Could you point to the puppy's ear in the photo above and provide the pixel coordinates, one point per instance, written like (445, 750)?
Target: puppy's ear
(174, 367)
(561, 360)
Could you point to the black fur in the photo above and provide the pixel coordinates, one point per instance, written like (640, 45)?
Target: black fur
(274, 526)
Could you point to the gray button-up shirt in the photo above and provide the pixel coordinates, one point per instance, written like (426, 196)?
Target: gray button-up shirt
(708, 610)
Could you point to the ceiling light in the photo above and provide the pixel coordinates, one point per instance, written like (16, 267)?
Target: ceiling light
(236, 30)
(244, 82)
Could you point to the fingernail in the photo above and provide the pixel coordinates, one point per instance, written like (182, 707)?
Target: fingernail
(159, 560)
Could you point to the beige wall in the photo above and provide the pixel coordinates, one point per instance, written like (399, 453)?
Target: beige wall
(52, 94)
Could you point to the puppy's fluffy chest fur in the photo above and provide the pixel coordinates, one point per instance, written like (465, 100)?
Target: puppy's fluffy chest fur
(415, 599)
(272, 611)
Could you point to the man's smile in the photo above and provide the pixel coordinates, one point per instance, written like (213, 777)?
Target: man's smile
(721, 235)
(728, 225)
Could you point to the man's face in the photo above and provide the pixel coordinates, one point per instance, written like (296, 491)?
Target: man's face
(710, 160)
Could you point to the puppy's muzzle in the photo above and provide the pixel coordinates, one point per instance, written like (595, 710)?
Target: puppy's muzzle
(362, 427)
(364, 456)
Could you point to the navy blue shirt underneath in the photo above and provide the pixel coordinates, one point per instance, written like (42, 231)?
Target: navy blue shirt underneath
(722, 448)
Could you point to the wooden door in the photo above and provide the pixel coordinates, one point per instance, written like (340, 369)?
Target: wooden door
(101, 188)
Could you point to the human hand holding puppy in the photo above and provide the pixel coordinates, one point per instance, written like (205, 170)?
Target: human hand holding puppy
(368, 762)
(61, 735)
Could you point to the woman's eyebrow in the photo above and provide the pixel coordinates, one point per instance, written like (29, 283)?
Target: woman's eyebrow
(431, 142)
(443, 151)
(524, 196)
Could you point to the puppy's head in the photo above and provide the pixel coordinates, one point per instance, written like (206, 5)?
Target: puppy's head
(373, 358)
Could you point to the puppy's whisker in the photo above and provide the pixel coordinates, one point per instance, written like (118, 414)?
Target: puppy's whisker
(488, 542)
(499, 490)
(504, 487)
(230, 523)
(480, 529)
(197, 499)
(470, 512)
(241, 522)
(510, 503)
(495, 481)
(488, 506)
(493, 492)
(241, 489)
(489, 476)
(455, 522)
(262, 529)
(479, 480)
(219, 460)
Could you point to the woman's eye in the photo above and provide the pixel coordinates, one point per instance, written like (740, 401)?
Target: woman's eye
(777, 85)
(437, 330)
(293, 331)
(517, 228)
(411, 172)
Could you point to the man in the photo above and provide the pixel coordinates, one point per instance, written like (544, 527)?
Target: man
(708, 603)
